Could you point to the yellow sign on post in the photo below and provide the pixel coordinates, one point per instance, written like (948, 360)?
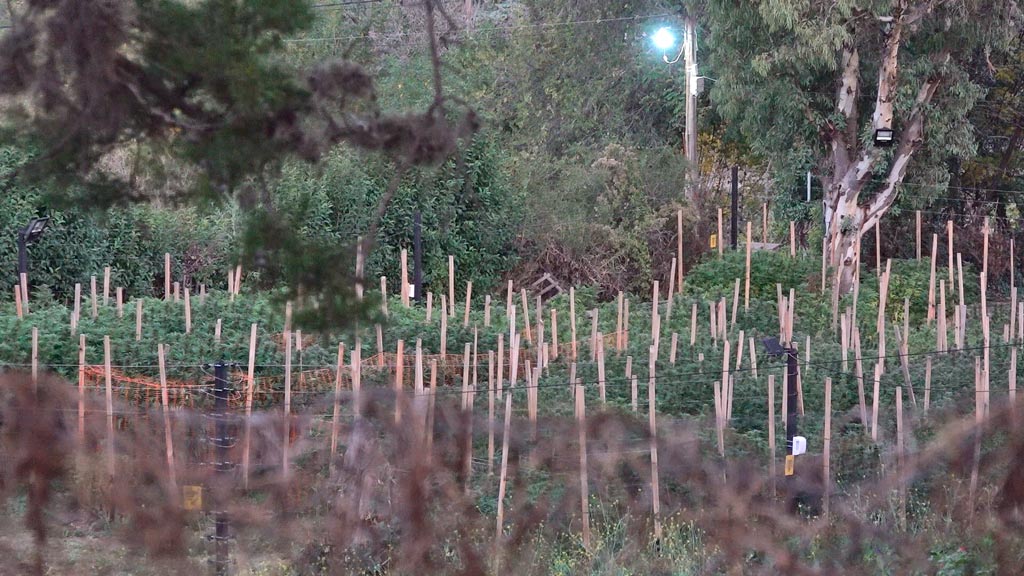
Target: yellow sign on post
(192, 497)
(790, 460)
(714, 240)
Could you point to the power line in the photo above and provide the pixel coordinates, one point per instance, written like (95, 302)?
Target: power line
(488, 30)
(345, 3)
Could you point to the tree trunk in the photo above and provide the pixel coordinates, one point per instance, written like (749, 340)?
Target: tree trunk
(844, 226)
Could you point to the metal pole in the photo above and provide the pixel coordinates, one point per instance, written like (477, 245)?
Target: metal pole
(792, 372)
(222, 467)
(735, 218)
(22, 253)
(417, 255)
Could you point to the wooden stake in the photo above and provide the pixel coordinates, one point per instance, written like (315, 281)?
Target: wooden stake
(95, 302)
(501, 363)
(572, 320)
(380, 345)
(467, 401)
(735, 304)
(23, 279)
(693, 325)
(490, 413)
(679, 251)
(826, 452)
(286, 436)
(618, 322)
(357, 378)
(927, 383)
(949, 252)
(874, 403)
(77, 314)
(430, 305)
(469, 296)
(672, 351)
(931, 280)
(384, 295)
(465, 376)
(108, 380)
(719, 240)
(487, 311)
(216, 331)
(18, 306)
(719, 393)
(771, 430)
(943, 344)
(652, 421)
(753, 357)
(404, 255)
(336, 414)
(670, 298)
(634, 392)
(399, 379)
(554, 333)
(503, 475)
(81, 388)
(581, 420)
(600, 368)
(899, 458)
(451, 286)
(168, 436)
(188, 313)
(593, 335)
(250, 390)
(444, 326)
(625, 324)
(106, 286)
(792, 239)
(526, 316)
(1013, 387)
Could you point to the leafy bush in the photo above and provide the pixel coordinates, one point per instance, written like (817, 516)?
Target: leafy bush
(716, 277)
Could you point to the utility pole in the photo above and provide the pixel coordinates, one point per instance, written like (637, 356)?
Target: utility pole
(690, 57)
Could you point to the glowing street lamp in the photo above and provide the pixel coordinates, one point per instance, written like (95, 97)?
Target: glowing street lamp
(664, 39)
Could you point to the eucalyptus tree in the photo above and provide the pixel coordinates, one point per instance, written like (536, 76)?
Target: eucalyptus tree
(811, 83)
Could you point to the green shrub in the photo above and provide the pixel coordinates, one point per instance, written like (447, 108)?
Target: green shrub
(716, 277)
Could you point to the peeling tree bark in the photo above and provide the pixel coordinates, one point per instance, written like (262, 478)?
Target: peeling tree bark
(847, 217)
